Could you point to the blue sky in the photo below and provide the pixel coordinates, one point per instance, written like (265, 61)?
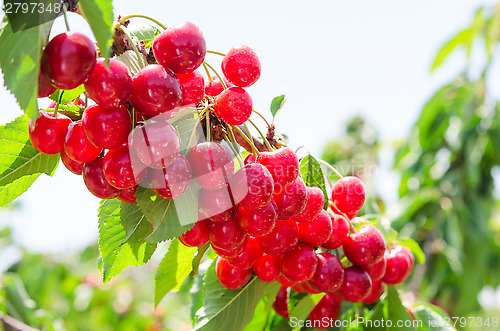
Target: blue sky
(332, 59)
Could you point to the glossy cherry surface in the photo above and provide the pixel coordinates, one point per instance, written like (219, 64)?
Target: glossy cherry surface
(226, 235)
(93, 177)
(218, 205)
(252, 186)
(72, 165)
(172, 182)
(77, 146)
(214, 87)
(227, 254)
(47, 132)
(128, 195)
(356, 285)
(340, 231)
(229, 276)
(283, 238)
(400, 261)
(375, 292)
(193, 88)
(212, 164)
(197, 236)
(118, 169)
(44, 87)
(377, 271)
(325, 313)
(106, 128)
(365, 247)
(241, 66)
(299, 265)
(329, 273)
(280, 304)
(283, 165)
(292, 201)
(258, 222)
(234, 105)
(317, 232)
(348, 195)
(267, 268)
(315, 204)
(250, 255)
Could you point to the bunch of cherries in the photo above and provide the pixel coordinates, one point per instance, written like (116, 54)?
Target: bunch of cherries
(261, 219)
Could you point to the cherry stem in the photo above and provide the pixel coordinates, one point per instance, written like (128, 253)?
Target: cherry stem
(137, 53)
(124, 19)
(217, 74)
(231, 145)
(267, 123)
(329, 166)
(57, 104)
(208, 72)
(86, 99)
(353, 228)
(254, 149)
(65, 14)
(215, 52)
(198, 257)
(266, 142)
(304, 147)
(207, 122)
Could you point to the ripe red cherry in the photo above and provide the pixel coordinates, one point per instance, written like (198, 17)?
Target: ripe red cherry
(249, 159)
(197, 236)
(212, 164)
(250, 255)
(315, 204)
(155, 90)
(356, 285)
(234, 105)
(283, 238)
(218, 205)
(377, 271)
(47, 132)
(348, 195)
(340, 231)
(375, 292)
(252, 186)
(214, 87)
(44, 87)
(308, 288)
(258, 222)
(365, 247)
(93, 176)
(77, 146)
(226, 235)
(118, 169)
(193, 88)
(106, 128)
(231, 277)
(292, 201)
(280, 304)
(72, 165)
(181, 48)
(171, 182)
(329, 273)
(317, 232)
(68, 60)
(268, 268)
(156, 144)
(400, 261)
(325, 313)
(227, 254)
(299, 265)
(241, 66)
(109, 86)
(283, 165)
(285, 282)
(128, 195)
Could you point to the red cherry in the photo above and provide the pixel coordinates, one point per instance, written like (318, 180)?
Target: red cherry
(340, 231)
(285, 282)
(156, 144)
(218, 205)
(231, 277)
(267, 268)
(258, 222)
(193, 88)
(400, 263)
(47, 132)
(250, 255)
(212, 163)
(336, 296)
(315, 204)
(252, 186)
(249, 159)
(128, 195)
(93, 176)
(68, 60)
(283, 238)
(280, 304)
(77, 146)
(171, 182)
(348, 195)
(325, 313)
(356, 285)
(299, 265)
(317, 232)
(75, 102)
(377, 271)
(241, 66)
(292, 201)
(155, 90)
(234, 105)
(214, 87)
(329, 273)
(44, 87)
(283, 165)
(109, 86)
(365, 247)
(106, 128)
(226, 235)
(72, 165)
(118, 169)
(375, 292)
(197, 236)
(180, 48)
(308, 288)
(227, 254)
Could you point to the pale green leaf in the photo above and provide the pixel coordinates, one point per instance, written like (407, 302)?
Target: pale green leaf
(67, 95)
(99, 15)
(463, 38)
(313, 175)
(277, 104)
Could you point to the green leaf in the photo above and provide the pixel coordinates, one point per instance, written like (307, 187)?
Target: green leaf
(116, 254)
(304, 307)
(432, 318)
(225, 309)
(135, 223)
(20, 162)
(463, 38)
(130, 59)
(173, 269)
(313, 175)
(396, 312)
(20, 63)
(99, 15)
(188, 128)
(414, 247)
(144, 32)
(169, 218)
(67, 95)
(277, 104)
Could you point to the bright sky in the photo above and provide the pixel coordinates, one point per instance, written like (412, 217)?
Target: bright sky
(332, 59)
